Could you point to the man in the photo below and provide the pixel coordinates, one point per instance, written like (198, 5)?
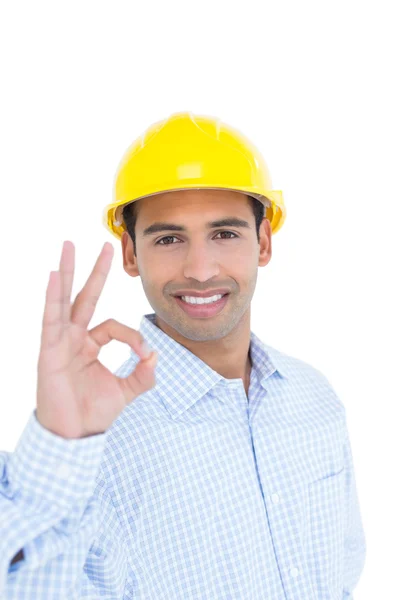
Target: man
(221, 470)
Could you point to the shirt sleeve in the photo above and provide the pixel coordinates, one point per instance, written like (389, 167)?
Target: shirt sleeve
(55, 505)
(354, 540)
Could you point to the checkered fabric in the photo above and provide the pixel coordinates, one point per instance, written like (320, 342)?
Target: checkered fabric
(196, 492)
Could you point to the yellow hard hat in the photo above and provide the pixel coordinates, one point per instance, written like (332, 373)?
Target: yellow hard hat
(187, 151)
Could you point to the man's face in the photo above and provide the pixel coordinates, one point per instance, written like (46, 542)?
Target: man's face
(198, 259)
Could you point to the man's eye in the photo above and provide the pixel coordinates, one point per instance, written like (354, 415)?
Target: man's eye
(174, 237)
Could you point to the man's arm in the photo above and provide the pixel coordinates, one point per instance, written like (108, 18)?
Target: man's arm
(59, 534)
(354, 541)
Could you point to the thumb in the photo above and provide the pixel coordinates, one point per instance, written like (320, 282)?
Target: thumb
(151, 360)
(142, 377)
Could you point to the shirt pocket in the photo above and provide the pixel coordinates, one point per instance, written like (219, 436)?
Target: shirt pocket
(325, 539)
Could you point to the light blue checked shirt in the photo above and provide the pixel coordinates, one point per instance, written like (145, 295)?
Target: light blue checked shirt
(194, 493)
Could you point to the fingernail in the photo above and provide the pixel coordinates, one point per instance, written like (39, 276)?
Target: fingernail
(146, 349)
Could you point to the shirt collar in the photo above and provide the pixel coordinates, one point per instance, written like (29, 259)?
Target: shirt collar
(183, 378)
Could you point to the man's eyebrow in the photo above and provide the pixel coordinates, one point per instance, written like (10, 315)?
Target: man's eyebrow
(227, 222)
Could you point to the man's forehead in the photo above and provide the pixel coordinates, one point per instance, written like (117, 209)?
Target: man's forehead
(215, 202)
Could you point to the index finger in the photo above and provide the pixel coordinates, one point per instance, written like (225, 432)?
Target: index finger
(85, 302)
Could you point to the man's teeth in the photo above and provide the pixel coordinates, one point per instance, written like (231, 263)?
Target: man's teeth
(193, 300)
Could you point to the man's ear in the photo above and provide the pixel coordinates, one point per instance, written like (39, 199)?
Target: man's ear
(265, 243)
(128, 258)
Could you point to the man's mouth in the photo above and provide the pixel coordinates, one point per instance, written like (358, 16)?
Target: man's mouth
(203, 309)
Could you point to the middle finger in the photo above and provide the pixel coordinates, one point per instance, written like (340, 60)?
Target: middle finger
(85, 303)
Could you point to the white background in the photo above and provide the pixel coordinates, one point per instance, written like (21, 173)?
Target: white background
(315, 85)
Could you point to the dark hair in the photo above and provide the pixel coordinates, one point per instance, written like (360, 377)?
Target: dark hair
(129, 214)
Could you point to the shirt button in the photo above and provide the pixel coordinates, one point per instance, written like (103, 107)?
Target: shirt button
(275, 498)
(294, 572)
(63, 471)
